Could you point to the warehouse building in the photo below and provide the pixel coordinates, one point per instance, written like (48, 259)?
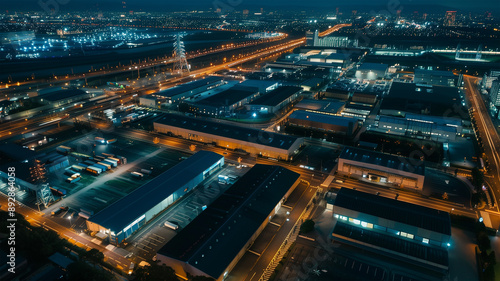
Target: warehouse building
(371, 71)
(339, 94)
(326, 106)
(366, 98)
(390, 229)
(360, 111)
(261, 86)
(61, 97)
(425, 128)
(404, 98)
(323, 122)
(275, 100)
(312, 84)
(187, 90)
(437, 77)
(382, 168)
(253, 141)
(213, 243)
(226, 102)
(133, 211)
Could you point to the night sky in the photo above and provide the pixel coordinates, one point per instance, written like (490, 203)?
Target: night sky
(166, 5)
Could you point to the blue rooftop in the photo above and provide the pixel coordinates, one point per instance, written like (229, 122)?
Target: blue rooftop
(124, 211)
(384, 160)
(322, 118)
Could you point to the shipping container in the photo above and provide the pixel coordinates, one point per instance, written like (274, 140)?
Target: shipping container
(94, 170)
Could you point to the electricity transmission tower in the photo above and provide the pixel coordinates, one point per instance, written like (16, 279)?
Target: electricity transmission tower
(180, 64)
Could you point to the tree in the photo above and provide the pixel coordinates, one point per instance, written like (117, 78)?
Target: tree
(155, 272)
(94, 256)
(81, 271)
(192, 147)
(483, 241)
(477, 178)
(445, 196)
(307, 226)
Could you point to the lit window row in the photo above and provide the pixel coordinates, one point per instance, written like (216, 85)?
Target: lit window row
(384, 229)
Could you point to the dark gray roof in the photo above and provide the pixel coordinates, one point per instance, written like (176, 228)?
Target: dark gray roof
(405, 247)
(189, 86)
(214, 238)
(394, 210)
(229, 131)
(326, 105)
(124, 211)
(442, 73)
(410, 97)
(230, 96)
(16, 152)
(322, 118)
(62, 94)
(383, 160)
(277, 96)
(60, 260)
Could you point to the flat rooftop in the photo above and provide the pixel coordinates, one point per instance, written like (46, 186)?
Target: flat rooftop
(277, 96)
(394, 210)
(189, 86)
(329, 106)
(407, 248)
(228, 97)
(441, 73)
(214, 238)
(383, 160)
(322, 118)
(123, 212)
(416, 98)
(229, 131)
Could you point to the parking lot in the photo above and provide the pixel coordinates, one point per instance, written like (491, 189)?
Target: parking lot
(94, 193)
(148, 240)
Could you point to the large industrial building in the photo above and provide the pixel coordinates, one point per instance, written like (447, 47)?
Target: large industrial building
(382, 168)
(371, 71)
(261, 86)
(60, 97)
(323, 122)
(133, 211)
(253, 141)
(226, 102)
(423, 99)
(213, 243)
(275, 100)
(412, 237)
(495, 93)
(187, 90)
(436, 77)
(326, 106)
(421, 126)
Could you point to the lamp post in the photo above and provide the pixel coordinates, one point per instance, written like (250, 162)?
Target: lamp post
(70, 225)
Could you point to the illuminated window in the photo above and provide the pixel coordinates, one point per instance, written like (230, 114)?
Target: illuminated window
(425, 240)
(356, 221)
(369, 225)
(336, 216)
(409, 236)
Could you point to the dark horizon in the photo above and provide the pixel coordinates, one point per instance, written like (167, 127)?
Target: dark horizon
(407, 7)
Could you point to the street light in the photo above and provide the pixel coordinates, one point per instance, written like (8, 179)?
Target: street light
(69, 218)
